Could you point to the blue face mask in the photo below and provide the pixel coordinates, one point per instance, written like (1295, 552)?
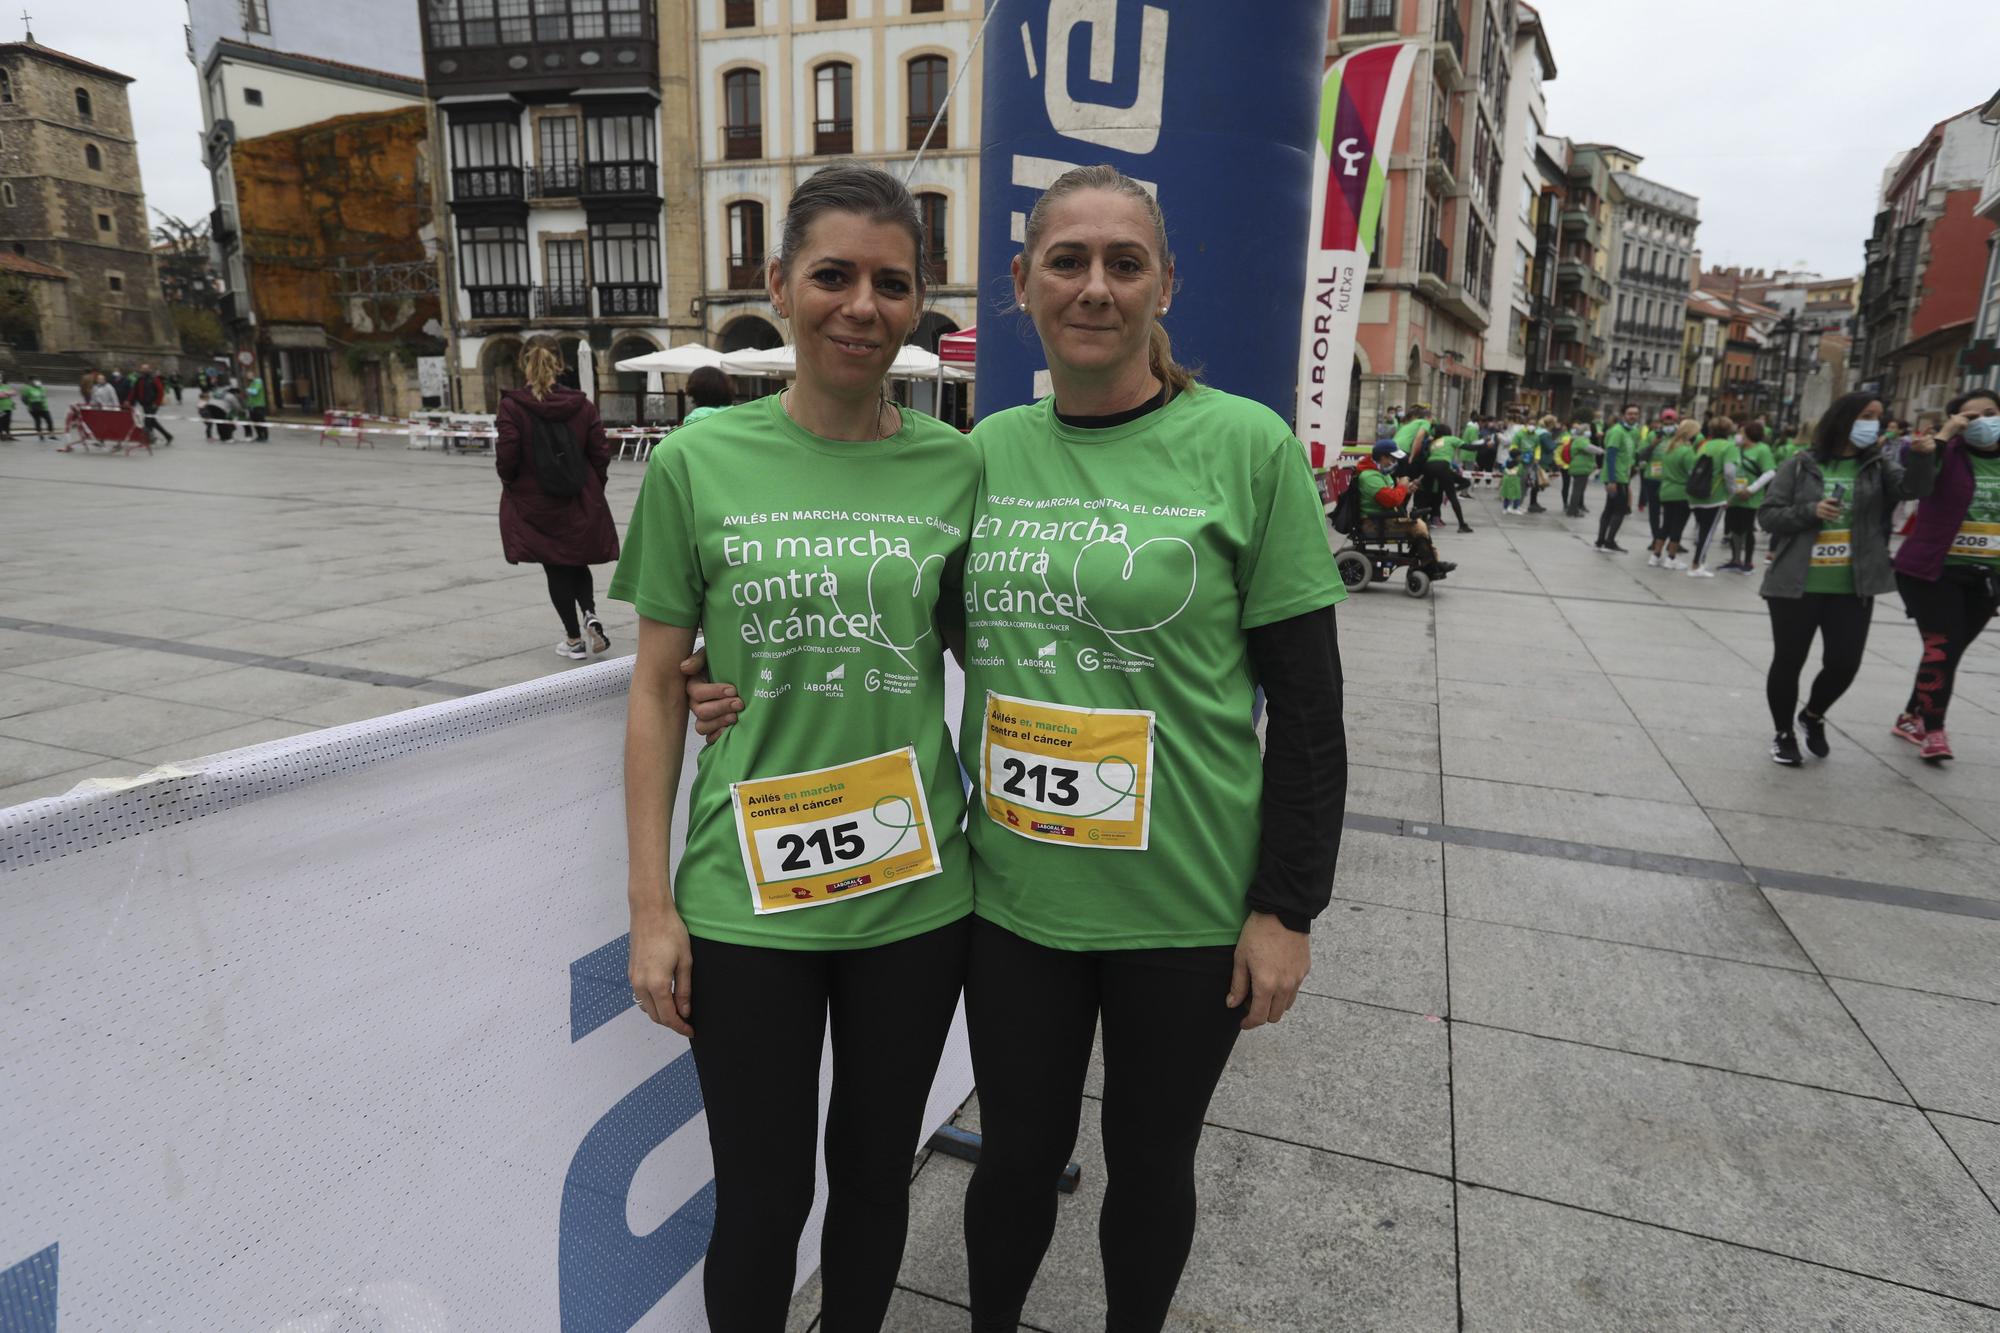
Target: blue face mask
(1983, 432)
(1864, 433)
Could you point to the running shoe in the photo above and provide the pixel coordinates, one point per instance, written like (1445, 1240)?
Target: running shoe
(1701, 573)
(1815, 730)
(1785, 750)
(1653, 560)
(1936, 747)
(1616, 549)
(1909, 727)
(1675, 562)
(1465, 527)
(595, 636)
(572, 649)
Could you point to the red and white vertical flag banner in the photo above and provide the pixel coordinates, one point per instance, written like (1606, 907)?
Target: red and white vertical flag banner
(1359, 104)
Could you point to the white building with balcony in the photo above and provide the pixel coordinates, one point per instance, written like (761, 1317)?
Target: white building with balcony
(787, 85)
(1652, 268)
(1514, 217)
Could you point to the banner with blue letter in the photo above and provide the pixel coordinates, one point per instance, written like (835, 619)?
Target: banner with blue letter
(1211, 106)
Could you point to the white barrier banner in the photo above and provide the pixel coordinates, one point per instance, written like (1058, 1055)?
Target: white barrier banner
(334, 1034)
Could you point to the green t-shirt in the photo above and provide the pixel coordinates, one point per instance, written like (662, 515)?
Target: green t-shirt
(1978, 539)
(1676, 461)
(1622, 444)
(1446, 450)
(1581, 461)
(1372, 481)
(1832, 567)
(1510, 482)
(1753, 463)
(1406, 434)
(814, 568)
(1721, 453)
(34, 395)
(1119, 569)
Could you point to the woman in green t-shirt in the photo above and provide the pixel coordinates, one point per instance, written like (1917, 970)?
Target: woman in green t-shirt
(1675, 459)
(1828, 515)
(811, 535)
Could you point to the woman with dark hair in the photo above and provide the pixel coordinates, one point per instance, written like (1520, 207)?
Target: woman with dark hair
(553, 460)
(812, 535)
(711, 392)
(1948, 569)
(1828, 515)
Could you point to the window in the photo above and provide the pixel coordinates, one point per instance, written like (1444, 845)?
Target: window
(931, 211)
(739, 13)
(625, 260)
(6, 194)
(566, 292)
(743, 114)
(104, 222)
(92, 158)
(116, 281)
(618, 154)
(927, 6)
(1370, 16)
(558, 156)
(6, 87)
(493, 268)
(830, 11)
(833, 109)
(485, 159)
(606, 18)
(253, 96)
(256, 16)
(746, 246)
(930, 78)
(83, 103)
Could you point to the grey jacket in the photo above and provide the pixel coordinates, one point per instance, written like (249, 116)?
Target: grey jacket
(1787, 514)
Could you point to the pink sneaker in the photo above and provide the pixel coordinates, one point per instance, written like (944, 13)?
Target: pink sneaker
(1909, 727)
(1936, 747)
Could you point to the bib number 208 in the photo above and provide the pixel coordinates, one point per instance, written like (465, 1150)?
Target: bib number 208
(1053, 784)
(831, 846)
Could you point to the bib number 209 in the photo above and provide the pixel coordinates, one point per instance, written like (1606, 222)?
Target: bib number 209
(1044, 784)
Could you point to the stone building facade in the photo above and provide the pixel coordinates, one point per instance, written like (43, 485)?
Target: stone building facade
(71, 200)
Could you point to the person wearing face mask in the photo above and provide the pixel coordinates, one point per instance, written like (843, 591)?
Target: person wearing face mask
(1828, 514)
(1584, 451)
(1758, 468)
(1710, 481)
(812, 535)
(1948, 568)
(1623, 444)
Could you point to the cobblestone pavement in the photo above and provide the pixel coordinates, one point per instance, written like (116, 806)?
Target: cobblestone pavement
(1612, 1024)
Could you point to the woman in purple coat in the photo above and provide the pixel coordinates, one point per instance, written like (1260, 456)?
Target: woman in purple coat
(553, 459)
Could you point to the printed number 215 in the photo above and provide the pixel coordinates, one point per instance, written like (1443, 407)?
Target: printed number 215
(1054, 785)
(840, 843)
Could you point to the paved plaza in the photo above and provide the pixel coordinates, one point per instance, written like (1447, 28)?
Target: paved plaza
(1613, 1024)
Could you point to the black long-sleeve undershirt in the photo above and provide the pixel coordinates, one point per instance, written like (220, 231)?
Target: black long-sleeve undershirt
(1305, 766)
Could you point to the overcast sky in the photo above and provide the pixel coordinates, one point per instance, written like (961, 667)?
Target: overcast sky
(1778, 114)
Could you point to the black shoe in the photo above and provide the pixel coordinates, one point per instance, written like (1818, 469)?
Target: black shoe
(1440, 568)
(1815, 730)
(1785, 750)
(1537, 509)
(1615, 548)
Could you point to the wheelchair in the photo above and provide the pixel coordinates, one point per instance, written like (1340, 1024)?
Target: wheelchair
(1371, 558)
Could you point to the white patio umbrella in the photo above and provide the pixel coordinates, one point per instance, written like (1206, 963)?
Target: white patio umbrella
(762, 363)
(682, 360)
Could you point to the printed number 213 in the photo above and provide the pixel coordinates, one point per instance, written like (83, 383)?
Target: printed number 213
(840, 843)
(1054, 785)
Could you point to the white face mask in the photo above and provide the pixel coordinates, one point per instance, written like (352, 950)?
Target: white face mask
(1865, 433)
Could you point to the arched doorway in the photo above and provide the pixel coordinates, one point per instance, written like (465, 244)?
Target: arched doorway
(748, 333)
(499, 369)
(626, 403)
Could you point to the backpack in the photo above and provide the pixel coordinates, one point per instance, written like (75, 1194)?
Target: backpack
(558, 462)
(1346, 516)
(1701, 481)
(1562, 453)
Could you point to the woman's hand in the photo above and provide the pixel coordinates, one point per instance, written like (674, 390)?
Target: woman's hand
(662, 969)
(1927, 443)
(714, 705)
(1827, 510)
(1271, 962)
(1952, 427)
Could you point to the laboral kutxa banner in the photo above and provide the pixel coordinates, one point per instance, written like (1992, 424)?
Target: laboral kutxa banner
(1359, 104)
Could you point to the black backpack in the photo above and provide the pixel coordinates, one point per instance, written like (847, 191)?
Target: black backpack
(1346, 515)
(1701, 481)
(558, 462)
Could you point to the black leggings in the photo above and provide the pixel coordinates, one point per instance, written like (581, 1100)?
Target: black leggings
(1704, 531)
(569, 588)
(1740, 526)
(1673, 521)
(1616, 504)
(1649, 497)
(759, 1022)
(1841, 620)
(1167, 1035)
(1949, 613)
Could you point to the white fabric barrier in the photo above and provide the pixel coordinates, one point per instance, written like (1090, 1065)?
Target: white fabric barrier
(333, 1034)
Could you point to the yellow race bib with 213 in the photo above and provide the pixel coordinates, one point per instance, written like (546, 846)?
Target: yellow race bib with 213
(1077, 776)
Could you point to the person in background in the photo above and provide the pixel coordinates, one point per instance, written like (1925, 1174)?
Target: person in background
(1828, 516)
(1948, 568)
(36, 399)
(1676, 458)
(1584, 451)
(258, 404)
(149, 394)
(1623, 443)
(1711, 478)
(1740, 519)
(1414, 427)
(7, 396)
(1382, 501)
(563, 533)
(229, 410)
(1650, 460)
(104, 394)
(1542, 446)
(121, 385)
(710, 391)
(1511, 486)
(86, 385)
(1444, 477)
(209, 411)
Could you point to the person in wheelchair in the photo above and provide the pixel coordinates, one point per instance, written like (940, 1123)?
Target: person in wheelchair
(1383, 498)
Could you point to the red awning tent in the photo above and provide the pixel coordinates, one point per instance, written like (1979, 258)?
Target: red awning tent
(959, 349)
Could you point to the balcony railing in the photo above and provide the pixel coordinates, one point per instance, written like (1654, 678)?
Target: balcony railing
(486, 183)
(621, 178)
(1437, 258)
(833, 138)
(563, 301)
(742, 141)
(746, 273)
(556, 180)
(921, 125)
(1444, 153)
(498, 302)
(628, 298)
(1369, 22)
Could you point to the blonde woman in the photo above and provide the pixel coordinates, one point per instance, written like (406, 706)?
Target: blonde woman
(553, 459)
(1676, 461)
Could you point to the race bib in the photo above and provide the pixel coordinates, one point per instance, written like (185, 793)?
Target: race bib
(809, 839)
(1980, 541)
(1077, 776)
(1831, 548)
